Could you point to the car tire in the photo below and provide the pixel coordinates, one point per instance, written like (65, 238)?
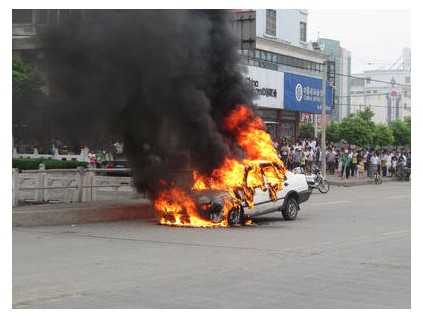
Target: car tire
(234, 217)
(290, 211)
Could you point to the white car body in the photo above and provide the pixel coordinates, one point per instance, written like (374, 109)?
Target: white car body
(295, 190)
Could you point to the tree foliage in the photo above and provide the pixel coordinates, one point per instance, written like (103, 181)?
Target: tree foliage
(306, 130)
(332, 132)
(367, 115)
(382, 135)
(402, 132)
(355, 130)
(28, 99)
(359, 129)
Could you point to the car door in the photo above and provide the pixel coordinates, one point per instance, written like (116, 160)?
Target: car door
(274, 180)
(263, 202)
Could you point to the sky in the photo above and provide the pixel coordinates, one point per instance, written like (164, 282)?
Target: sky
(375, 38)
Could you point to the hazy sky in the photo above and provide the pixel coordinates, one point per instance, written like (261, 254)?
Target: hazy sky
(372, 36)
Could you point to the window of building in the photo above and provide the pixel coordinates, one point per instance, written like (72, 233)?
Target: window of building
(303, 32)
(407, 80)
(257, 56)
(368, 80)
(22, 16)
(271, 22)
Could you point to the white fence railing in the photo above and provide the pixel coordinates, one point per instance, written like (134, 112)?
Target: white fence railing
(70, 185)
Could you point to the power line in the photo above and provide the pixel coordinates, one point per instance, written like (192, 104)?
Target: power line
(372, 80)
(317, 71)
(371, 106)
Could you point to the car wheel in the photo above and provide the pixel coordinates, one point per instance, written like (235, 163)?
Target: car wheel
(290, 211)
(234, 217)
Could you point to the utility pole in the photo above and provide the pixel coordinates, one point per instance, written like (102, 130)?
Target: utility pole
(323, 121)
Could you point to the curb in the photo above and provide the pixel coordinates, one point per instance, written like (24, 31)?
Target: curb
(77, 214)
(349, 183)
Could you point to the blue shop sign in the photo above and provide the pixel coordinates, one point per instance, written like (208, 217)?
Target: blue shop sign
(302, 93)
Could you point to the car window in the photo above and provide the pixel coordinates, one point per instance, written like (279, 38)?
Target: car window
(254, 177)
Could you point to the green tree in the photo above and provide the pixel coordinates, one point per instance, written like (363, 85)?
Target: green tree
(332, 132)
(306, 130)
(355, 130)
(28, 99)
(402, 132)
(407, 121)
(383, 135)
(367, 115)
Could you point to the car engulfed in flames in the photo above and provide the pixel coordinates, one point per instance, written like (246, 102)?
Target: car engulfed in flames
(239, 188)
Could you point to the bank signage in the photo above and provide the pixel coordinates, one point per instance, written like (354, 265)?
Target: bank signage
(302, 93)
(267, 85)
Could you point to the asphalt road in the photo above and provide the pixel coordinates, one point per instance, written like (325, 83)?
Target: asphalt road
(349, 248)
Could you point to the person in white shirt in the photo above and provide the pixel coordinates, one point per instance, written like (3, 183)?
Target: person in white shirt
(374, 160)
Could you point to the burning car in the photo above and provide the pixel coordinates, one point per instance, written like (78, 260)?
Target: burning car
(266, 199)
(266, 187)
(241, 187)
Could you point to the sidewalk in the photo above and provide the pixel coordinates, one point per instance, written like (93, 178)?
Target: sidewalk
(335, 180)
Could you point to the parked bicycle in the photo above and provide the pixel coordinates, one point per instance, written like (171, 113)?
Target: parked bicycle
(377, 176)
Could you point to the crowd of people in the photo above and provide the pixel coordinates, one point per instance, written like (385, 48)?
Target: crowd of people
(343, 160)
(96, 156)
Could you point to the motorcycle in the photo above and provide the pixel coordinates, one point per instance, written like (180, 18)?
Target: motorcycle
(315, 179)
(404, 173)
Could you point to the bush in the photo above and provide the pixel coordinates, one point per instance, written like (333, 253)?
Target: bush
(34, 164)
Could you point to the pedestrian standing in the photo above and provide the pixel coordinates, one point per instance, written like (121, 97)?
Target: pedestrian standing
(345, 160)
(93, 159)
(310, 159)
(297, 157)
(373, 164)
(303, 161)
(354, 162)
(384, 163)
(330, 159)
(361, 168)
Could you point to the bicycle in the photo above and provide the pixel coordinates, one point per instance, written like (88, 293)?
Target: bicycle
(377, 176)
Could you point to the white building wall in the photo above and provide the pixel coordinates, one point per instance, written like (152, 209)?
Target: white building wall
(344, 83)
(287, 24)
(374, 94)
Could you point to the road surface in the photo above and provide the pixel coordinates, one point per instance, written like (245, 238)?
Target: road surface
(349, 248)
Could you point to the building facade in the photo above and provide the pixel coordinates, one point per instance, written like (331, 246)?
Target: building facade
(339, 60)
(280, 62)
(386, 92)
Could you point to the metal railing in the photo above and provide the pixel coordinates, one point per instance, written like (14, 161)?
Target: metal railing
(70, 185)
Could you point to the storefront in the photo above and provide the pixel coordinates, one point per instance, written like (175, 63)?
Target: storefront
(268, 86)
(282, 97)
(303, 95)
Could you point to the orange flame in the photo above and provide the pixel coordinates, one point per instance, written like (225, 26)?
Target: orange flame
(179, 208)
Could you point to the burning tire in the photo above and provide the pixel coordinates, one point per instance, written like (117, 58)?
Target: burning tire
(235, 217)
(290, 210)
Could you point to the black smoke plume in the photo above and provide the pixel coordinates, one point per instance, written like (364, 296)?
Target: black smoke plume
(161, 80)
